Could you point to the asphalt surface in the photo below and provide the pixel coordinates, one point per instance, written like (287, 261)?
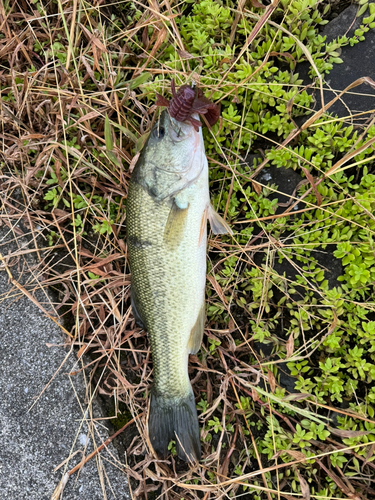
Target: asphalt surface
(358, 103)
(44, 417)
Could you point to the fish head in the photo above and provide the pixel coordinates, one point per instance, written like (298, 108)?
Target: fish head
(172, 158)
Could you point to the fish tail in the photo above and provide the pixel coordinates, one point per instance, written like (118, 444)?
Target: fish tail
(174, 419)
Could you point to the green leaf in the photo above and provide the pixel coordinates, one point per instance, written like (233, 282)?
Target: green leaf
(139, 80)
(108, 134)
(50, 195)
(125, 130)
(320, 276)
(362, 10)
(369, 19)
(141, 141)
(305, 413)
(93, 276)
(113, 158)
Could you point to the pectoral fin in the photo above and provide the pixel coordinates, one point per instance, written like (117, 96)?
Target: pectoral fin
(196, 334)
(218, 224)
(175, 224)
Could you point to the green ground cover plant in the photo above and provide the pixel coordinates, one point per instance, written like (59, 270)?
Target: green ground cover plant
(285, 378)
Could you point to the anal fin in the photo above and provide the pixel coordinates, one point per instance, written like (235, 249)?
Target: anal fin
(196, 334)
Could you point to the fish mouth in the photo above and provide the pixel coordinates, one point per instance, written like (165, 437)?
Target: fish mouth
(178, 131)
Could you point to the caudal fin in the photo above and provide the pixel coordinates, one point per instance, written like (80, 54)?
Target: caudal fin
(174, 419)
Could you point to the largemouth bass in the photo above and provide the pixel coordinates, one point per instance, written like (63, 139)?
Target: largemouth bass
(167, 210)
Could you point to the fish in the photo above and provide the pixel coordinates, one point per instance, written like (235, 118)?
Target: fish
(168, 205)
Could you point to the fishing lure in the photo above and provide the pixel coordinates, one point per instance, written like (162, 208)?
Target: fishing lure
(187, 101)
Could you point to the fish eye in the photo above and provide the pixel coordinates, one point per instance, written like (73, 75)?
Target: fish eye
(158, 132)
